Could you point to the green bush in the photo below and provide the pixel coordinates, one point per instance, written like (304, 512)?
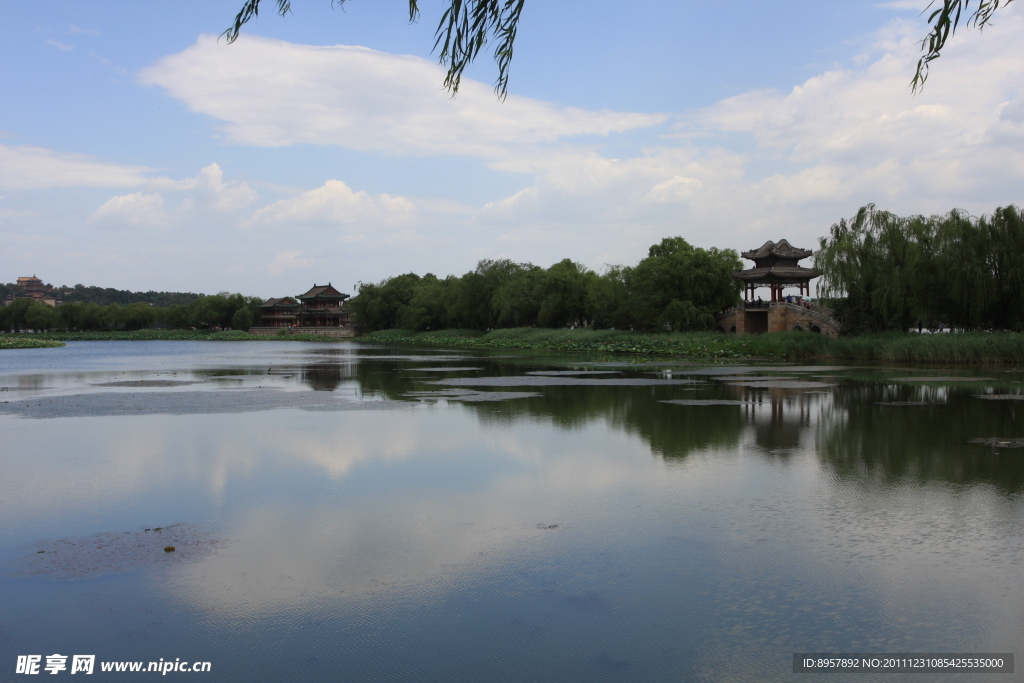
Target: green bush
(28, 343)
(242, 319)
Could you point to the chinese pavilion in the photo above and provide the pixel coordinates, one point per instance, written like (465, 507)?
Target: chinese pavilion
(776, 266)
(321, 310)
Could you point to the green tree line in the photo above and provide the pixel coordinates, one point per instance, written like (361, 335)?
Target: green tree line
(677, 286)
(885, 271)
(108, 295)
(105, 295)
(222, 310)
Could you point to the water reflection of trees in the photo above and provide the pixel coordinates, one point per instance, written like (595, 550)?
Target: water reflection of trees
(326, 376)
(672, 431)
(854, 436)
(857, 437)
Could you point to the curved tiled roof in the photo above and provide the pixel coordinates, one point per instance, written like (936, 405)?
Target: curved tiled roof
(780, 249)
(284, 301)
(323, 292)
(777, 274)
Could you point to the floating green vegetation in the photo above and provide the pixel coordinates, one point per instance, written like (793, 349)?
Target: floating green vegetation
(28, 343)
(950, 348)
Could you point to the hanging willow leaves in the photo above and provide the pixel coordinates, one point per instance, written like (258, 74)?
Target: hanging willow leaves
(466, 26)
(944, 22)
(464, 30)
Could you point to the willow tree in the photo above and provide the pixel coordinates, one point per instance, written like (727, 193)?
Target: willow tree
(889, 271)
(1005, 231)
(874, 262)
(982, 261)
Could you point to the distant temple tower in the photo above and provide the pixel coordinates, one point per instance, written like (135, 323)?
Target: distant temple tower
(33, 288)
(776, 266)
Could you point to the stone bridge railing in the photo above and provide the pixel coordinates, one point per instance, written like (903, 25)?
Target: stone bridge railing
(808, 311)
(812, 310)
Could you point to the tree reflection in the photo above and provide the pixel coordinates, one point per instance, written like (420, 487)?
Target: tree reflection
(866, 434)
(925, 439)
(672, 431)
(326, 376)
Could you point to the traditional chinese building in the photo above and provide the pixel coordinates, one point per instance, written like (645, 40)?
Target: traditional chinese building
(776, 266)
(281, 312)
(322, 310)
(32, 288)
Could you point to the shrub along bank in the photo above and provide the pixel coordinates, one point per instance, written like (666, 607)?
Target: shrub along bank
(892, 347)
(28, 343)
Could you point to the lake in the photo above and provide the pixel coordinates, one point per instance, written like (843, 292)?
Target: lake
(352, 512)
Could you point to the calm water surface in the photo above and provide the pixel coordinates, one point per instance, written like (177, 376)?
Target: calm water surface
(363, 513)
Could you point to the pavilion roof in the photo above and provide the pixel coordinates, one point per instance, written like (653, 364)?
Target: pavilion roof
(323, 292)
(777, 274)
(780, 249)
(283, 301)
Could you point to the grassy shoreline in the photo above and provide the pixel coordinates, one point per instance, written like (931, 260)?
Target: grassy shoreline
(963, 348)
(12, 342)
(967, 348)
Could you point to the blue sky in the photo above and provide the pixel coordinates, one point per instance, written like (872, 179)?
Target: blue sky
(137, 151)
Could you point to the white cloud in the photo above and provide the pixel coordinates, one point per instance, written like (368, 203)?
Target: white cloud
(136, 210)
(60, 46)
(210, 188)
(837, 141)
(675, 189)
(272, 93)
(289, 260)
(206, 197)
(335, 203)
(31, 168)
(860, 118)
